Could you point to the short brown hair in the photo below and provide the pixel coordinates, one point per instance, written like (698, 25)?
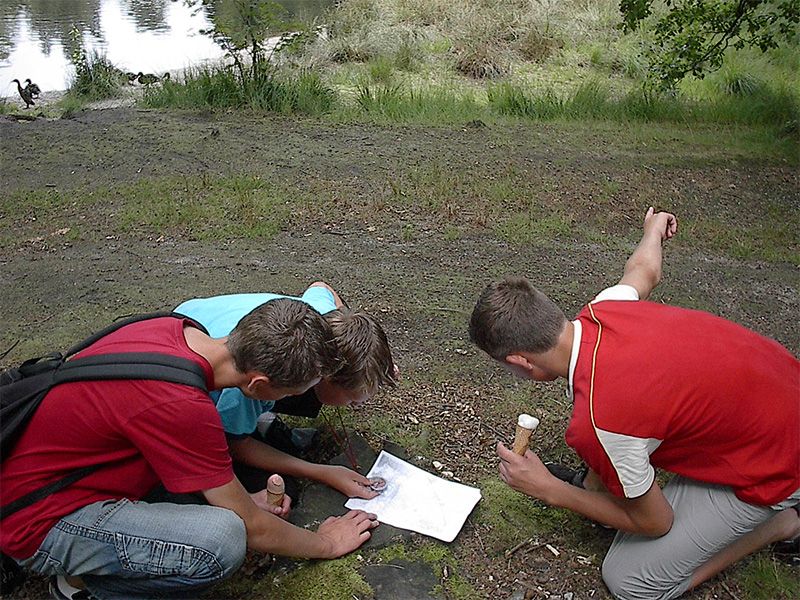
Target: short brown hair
(286, 340)
(511, 315)
(364, 349)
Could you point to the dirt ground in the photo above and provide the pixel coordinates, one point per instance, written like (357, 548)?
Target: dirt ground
(418, 271)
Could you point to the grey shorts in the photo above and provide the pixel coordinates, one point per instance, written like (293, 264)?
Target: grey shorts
(708, 518)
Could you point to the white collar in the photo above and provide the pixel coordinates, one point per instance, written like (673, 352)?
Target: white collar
(573, 357)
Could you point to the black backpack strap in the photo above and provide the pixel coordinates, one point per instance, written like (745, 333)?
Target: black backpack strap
(43, 492)
(128, 321)
(133, 365)
(124, 365)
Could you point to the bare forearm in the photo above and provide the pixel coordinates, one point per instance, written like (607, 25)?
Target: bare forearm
(644, 265)
(649, 516)
(273, 535)
(263, 456)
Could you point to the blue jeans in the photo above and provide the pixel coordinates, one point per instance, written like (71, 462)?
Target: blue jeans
(124, 549)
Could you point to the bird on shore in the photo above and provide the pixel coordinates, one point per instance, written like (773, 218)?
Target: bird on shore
(24, 93)
(34, 89)
(146, 78)
(131, 77)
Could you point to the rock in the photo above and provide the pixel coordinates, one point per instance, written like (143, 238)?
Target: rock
(402, 579)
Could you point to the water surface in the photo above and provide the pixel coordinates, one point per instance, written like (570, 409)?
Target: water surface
(153, 36)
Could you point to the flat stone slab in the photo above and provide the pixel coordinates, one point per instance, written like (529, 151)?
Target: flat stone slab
(402, 579)
(320, 502)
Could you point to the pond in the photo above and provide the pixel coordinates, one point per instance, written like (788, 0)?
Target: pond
(153, 36)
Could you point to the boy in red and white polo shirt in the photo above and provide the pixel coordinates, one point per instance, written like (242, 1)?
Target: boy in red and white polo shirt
(656, 386)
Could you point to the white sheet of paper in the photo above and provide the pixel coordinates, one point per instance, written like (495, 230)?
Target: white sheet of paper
(416, 500)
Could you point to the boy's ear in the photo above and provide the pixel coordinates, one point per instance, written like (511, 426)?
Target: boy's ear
(256, 382)
(519, 361)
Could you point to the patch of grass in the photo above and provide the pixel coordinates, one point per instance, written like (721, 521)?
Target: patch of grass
(415, 439)
(771, 240)
(451, 233)
(381, 70)
(200, 88)
(513, 517)
(96, 78)
(438, 556)
(235, 206)
(526, 228)
(395, 103)
(69, 105)
(764, 578)
(303, 92)
(408, 55)
(480, 60)
(330, 579)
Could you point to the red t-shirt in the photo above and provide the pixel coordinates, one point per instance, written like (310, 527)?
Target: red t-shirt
(688, 392)
(145, 431)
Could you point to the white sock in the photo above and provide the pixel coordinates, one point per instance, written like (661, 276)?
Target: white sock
(64, 587)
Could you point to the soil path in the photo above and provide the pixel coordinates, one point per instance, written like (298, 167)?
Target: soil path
(54, 289)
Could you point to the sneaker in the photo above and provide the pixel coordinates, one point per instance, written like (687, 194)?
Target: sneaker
(787, 551)
(61, 590)
(564, 473)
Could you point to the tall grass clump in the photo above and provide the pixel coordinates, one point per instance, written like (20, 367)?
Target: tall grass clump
(395, 103)
(303, 92)
(96, 78)
(199, 88)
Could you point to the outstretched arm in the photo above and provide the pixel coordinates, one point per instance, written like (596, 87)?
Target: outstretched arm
(257, 454)
(643, 269)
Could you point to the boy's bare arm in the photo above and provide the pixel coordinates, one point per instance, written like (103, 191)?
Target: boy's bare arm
(270, 534)
(649, 514)
(643, 269)
(263, 456)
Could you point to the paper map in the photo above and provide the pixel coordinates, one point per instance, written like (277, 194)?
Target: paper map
(416, 500)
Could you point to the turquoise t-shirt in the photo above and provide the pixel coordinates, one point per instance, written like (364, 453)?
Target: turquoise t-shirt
(219, 315)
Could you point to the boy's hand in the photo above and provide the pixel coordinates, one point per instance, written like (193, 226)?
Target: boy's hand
(346, 533)
(282, 511)
(348, 482)
(664, 224)
(526, 474)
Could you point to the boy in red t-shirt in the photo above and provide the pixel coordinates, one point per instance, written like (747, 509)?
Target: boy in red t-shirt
(655, 386)
(144, 432)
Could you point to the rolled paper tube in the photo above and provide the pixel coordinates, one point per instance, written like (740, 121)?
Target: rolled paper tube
(526, 425)
(275, 490)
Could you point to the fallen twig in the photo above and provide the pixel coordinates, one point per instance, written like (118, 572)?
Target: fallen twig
(514, 549)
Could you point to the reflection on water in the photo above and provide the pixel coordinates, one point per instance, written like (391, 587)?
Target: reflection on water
(136, 35)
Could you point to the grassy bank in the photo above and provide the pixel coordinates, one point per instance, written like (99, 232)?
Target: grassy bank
(437, 62)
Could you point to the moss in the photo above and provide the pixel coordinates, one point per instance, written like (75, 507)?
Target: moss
(513, 517)
(331, 579)
(439, 556)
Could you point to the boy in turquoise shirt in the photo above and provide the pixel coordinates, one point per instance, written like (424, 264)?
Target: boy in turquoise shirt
(363, 372)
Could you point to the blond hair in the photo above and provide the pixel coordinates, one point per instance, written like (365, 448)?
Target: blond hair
(364, 349)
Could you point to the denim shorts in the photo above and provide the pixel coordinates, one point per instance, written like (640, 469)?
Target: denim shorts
(124, 549)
